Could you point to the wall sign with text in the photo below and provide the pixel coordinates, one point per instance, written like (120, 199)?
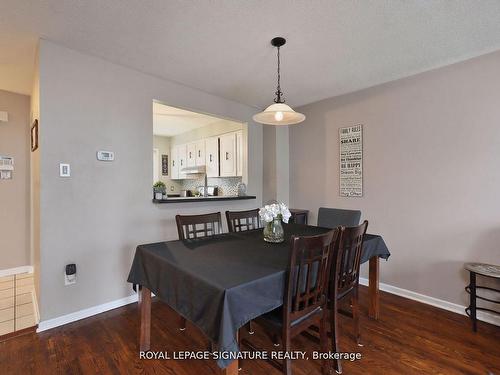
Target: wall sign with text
(351, 161)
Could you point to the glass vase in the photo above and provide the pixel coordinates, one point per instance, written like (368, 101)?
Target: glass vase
(273, 231)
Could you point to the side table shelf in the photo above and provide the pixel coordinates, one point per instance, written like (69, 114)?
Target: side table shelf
(487, 270)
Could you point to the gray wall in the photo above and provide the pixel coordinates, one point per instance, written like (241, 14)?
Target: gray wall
(276, 164)
(97, 217)
(431, 175)
(15, 193)
(269, 189)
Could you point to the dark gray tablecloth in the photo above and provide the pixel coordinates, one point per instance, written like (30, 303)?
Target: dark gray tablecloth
(223, 282)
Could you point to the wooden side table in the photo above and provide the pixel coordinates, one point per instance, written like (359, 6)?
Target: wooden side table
(299, 216)
(483, 269)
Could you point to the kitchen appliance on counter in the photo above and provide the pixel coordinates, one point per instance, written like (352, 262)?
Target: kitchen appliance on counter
(186, 193)
(212, 191)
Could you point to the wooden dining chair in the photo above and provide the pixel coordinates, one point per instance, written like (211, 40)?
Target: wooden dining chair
(344, 281)
(241, 221)
(305, 295)
(336, 217)
(198, 226)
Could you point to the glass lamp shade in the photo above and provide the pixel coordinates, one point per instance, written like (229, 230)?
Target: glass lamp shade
(279, 114)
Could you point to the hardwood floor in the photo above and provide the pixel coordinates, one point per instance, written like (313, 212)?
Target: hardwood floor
(409, 338)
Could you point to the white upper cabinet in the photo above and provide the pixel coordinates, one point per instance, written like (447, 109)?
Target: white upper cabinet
(228, 155)
(182, 158)
(212, 156)
(200, 152)
(174, 163)
(191, 154)
(223, 156)
(239, 153)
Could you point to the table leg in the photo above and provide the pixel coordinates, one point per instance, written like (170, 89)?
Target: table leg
(473, 301)
(373, 288)
(145, 325)
(234, 367)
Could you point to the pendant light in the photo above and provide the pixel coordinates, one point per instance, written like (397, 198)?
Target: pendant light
(279, 113)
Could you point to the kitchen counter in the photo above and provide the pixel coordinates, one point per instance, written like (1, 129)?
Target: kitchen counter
(204, 199)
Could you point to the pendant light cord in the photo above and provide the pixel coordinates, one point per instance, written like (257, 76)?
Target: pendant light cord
(278, 92)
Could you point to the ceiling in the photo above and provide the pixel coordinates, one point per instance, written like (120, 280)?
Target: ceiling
(222, 47)
(169, 121)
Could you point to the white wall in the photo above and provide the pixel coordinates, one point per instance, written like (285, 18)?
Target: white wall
(35, 181)
(431, 176)
(97, 217)
(15, 193)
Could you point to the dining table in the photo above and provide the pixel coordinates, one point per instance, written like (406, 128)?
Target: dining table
(222, 282)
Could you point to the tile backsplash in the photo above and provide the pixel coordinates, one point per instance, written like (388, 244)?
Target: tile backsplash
(225, 185)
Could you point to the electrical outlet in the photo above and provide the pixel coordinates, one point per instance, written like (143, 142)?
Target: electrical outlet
(69, 279)
(70, 274)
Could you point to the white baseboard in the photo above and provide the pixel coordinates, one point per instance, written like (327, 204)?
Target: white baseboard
(16, 270)
(453, 307)
(85, 313)
(445, 305)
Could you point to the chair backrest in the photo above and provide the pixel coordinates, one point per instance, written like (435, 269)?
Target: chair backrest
(240, 221)
(308, 274)
(198, 226)
(336, 217)
(345, 267)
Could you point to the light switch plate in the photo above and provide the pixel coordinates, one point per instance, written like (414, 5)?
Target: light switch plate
(4, 116)
(64, 170)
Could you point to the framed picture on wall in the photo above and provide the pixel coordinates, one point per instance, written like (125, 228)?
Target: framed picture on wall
(164, 165)
(34, 136)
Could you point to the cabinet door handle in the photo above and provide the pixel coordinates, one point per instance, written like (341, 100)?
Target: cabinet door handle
(173, 163)
(210, 157)
(227, 155)
(199, 153)
(181, 161)
(190, 156)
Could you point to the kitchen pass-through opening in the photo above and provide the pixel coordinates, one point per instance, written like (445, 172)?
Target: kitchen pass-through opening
(195, 154)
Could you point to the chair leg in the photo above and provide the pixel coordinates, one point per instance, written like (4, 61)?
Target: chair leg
(355, 315)
(324, 341)
(334, 327)
(276, 340)
(182, 323)
(240, 341)
(287, 347)
(250, 328)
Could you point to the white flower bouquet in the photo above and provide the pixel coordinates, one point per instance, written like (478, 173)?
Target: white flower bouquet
(273, 211)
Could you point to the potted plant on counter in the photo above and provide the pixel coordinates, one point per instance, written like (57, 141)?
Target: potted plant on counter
(159, 190)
